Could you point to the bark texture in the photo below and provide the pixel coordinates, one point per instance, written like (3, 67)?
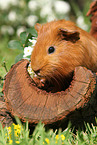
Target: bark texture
(25, 100)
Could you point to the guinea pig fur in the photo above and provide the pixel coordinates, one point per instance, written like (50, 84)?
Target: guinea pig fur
(61, 46)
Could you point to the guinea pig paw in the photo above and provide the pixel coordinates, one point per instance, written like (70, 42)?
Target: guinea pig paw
(43, 80)
(39, 82)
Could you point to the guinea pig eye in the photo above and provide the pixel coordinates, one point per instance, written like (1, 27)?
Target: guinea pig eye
(51, 49)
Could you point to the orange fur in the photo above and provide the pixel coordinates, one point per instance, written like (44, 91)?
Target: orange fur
(68, 53)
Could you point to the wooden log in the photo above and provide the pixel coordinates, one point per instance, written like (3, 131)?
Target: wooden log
(5, 117)
(25, 100)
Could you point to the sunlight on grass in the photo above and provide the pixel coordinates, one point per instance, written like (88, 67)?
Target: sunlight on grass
(20, 134)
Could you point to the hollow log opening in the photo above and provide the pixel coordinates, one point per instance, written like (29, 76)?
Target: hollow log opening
(56, 84)
(78, 103)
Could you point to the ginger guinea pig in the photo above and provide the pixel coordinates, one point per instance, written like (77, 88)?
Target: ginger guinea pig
(61, 46)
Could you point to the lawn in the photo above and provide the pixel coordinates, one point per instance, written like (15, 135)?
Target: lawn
(20, 134)
(6, 54)
(7, 58)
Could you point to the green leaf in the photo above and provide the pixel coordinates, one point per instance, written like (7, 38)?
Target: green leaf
(1, 94)
(14, 44)
(13, 135)
(32, 31)
(23, 37)
(27, 43)
(19, 57)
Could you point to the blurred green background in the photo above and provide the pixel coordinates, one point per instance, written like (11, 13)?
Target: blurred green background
(17, 15)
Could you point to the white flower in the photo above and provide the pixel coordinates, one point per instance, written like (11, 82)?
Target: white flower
(20, 29)
(27, 51)
(42, 3)
(33, 41)
(61, 7)
(32, 5)
(12, 16)
(6, 3)
(80, 22)
(30, 69)
(7, 29)
(46, 10)
(51, 18)
(31, 20)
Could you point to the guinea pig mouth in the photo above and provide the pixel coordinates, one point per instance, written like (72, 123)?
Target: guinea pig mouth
(54, 84)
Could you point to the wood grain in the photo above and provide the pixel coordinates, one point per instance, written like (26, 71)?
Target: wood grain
(25, 100)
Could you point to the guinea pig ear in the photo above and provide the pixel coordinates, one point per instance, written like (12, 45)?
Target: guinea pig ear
(37, 26)
(69, 35)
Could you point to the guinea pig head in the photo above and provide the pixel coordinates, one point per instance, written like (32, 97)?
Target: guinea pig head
(51, 55)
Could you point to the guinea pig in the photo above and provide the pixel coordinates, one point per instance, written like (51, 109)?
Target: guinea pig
(61, 46)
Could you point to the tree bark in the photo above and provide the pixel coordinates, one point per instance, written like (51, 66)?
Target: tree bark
(23, 99)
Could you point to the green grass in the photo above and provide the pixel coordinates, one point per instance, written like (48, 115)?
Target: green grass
(18, 134)
(6, 54)
(7, 58)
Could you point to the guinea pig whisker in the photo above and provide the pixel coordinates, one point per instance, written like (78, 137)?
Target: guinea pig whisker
(55, 80)
(60, 81)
